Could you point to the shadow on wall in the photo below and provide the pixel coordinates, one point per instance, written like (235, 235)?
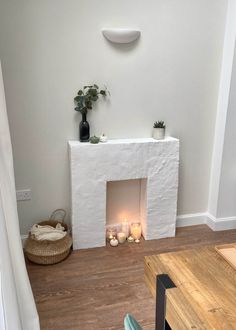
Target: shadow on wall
(123, 48)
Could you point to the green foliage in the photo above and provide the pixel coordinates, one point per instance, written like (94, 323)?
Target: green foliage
(94, 139)
(87, 96)
(159, 124)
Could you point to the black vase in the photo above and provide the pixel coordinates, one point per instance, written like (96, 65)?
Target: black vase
(84, 134)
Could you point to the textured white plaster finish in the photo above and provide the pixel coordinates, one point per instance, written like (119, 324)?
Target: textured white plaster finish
(93, 165)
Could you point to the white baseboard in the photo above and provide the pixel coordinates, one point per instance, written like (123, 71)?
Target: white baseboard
(216, 224)
(191, 219)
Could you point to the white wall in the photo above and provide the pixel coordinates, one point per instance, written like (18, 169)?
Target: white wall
(222, 192)
(222, 108)
(227, 188)
(49, 49)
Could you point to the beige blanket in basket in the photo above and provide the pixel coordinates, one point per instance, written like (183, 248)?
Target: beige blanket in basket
(50, 233)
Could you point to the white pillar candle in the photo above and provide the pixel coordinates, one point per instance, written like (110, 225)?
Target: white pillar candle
(136, 230)
(125, 227)
(121, 237)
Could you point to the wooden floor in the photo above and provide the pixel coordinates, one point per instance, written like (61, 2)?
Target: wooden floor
(95, 288)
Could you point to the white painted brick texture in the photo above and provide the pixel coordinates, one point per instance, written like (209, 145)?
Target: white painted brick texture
(93, 165)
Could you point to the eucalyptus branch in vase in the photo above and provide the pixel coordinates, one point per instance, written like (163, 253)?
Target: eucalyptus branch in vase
(84, 101)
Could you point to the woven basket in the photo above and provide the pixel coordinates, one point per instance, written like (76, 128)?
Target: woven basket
(49, 252)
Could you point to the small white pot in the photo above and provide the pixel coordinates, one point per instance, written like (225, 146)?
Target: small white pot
(103, 138)
(158, 133)
(114, 242)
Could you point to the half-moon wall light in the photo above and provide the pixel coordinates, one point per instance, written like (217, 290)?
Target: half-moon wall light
(121, 36)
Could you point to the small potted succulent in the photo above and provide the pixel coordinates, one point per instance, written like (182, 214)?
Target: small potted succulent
(84, 101)
(158, 130)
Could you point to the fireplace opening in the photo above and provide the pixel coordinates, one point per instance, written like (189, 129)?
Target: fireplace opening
(126, 202)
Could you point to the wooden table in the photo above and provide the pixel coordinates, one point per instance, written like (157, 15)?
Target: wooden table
(205, 292)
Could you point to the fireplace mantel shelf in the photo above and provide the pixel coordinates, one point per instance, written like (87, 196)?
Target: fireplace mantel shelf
(123, 141)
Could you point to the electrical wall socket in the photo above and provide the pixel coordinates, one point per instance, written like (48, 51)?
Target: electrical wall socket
(23, 195)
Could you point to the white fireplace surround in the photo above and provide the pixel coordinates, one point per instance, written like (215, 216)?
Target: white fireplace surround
(93, 165)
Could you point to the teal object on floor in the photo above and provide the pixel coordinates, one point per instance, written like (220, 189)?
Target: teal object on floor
(130, 323)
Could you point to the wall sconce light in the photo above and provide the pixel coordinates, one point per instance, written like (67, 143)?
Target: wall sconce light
(121, 36)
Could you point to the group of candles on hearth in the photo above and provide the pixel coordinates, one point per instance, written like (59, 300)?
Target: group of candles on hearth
(130, 232)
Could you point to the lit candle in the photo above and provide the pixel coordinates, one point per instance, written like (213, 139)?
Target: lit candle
(111, 232)
(121, 237)
(125, 227)
(130, 239)
(136, 230)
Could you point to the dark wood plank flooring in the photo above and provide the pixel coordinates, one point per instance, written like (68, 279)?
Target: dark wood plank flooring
(93, 289)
